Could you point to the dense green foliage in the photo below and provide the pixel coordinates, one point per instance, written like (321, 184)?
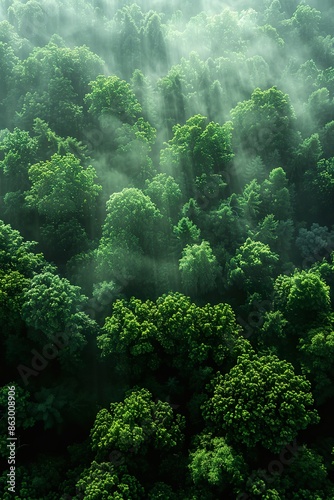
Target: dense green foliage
(167, 248)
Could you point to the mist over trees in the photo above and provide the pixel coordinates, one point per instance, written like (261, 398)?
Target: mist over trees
(167, 248)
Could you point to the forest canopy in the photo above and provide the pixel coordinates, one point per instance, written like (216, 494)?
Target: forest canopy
(167, 249)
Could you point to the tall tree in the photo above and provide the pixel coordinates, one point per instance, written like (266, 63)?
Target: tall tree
(261, 400)
(61, 188)
(302, 297)
(253, 267)
(197, 148)
(265, 124)
(113, 96)
(199, 269)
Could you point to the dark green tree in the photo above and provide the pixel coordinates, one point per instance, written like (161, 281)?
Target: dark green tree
(138, 424)
(197, 148)
(318, 187)
(51, 304)
(113, 96)
(253, 267)
(214, 463)
(165, 194)
(302, 297)
(173, 332)
(265, 125)
(199, 269)
(261, 400)
(276, 196)
(154, 53)
(61, 189)
(101, 482)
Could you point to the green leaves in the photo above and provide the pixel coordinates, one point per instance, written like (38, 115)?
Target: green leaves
(215, 463)
(196, 148)
(305, 21)
(247, 187)
(101, 482)
(61, 187)
(51, 83)
(165, 194)
(134, 233)
(111, 95)
(56, 105)
(275, 195)
(319, 186)
(317, 349)
(224, 31)
(186, 232)
(12, 286)
(199, 269)
(253, 267)
(260, 400)
(131, 324)
(137, 424)
(173, 332)
(19, 151)
(264, 124)
(50, 303)
(301, 297)
(15, 253)
(134, 213)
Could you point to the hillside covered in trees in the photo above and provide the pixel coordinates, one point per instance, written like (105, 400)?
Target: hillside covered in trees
(167, 249)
